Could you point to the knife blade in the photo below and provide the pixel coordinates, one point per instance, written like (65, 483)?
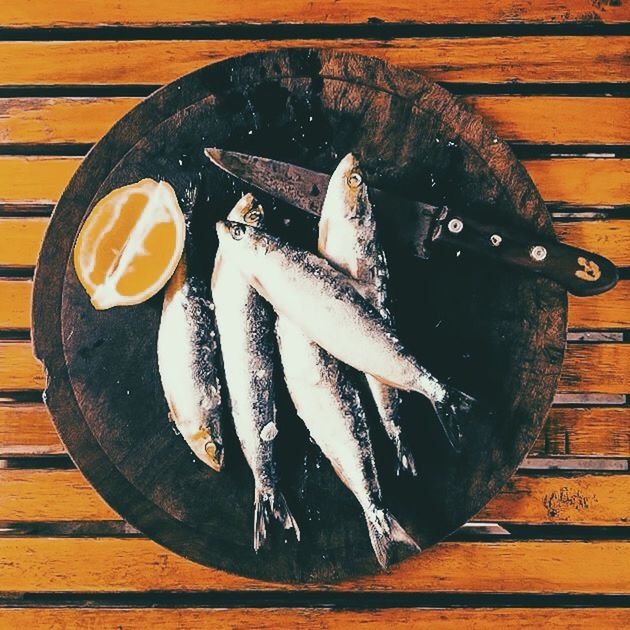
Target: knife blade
(414, 226)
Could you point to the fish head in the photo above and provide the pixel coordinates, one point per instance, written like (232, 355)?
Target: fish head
(346, 195)
(206, 443)
(248, 211)
(234, 235)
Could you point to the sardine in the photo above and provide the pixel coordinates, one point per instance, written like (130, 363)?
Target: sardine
(188, 361)
(328, 401)
(324, 304)
(349, 241)
(246, 330)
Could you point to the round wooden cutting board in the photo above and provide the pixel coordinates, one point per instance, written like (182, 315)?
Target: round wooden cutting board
(494, 332)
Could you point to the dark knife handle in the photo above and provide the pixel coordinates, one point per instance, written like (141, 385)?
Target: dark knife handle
(580, 272)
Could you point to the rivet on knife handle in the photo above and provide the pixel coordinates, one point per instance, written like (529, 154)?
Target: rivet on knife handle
(580, 272)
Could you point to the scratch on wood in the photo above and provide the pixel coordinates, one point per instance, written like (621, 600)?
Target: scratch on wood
(559, 501)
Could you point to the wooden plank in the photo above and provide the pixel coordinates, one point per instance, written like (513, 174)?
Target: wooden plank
(568, 59)
(133, 565)
(22, 237)
(586, 181)
(596, 368)
(75, 13)
(65, 120)
(609, 238)
(584, 499)
(35, 179)
(27, 430)
(594, 431)
(556, 119)
(51, 618)
(608, 310)
(19, 370)
(15, 304)
(603, 368)
(577, 500)
(535, 119)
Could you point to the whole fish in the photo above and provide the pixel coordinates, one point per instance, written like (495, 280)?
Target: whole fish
(188, 361)
(349, 241)
(246, 331)
(328, 401)
(324, 304)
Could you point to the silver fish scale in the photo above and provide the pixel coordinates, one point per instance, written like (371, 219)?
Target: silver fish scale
(188, 362)
(328, 402)
(349, 240)
(246, 326)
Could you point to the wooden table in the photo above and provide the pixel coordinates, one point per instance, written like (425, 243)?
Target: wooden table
(552, 76)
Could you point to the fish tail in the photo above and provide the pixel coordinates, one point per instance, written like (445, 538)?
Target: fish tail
(388, 402)
(385, 532)
(453, 406)
(266, 506)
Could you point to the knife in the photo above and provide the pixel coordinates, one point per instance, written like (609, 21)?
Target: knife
(416, 226)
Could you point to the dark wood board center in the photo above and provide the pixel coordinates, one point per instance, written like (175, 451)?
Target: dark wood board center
(492, 331)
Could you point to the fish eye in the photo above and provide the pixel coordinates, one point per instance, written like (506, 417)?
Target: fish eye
(254, 216)
(237, 231)
(354, 180)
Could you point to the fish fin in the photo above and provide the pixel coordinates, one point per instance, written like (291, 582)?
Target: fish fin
(283, 514)
(385, 532)
(406, 462)
(454, 406)
(267, 505)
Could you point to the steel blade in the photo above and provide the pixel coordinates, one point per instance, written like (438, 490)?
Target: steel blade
(404, 222)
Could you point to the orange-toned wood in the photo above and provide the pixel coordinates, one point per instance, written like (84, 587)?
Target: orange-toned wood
(606, 237)
(608, 310)
(557, 119)
(25, 13)
(592, 367)
(586, 181)
(579, 500)
(112, 564)
(22, 237)
(572, 180)
(35, 179)
(15, 304)
(601, 368)
(591, 431)
(536, 119)
(483, 59)
(82, 120)
(308, 618)
(594, 431)
(19, 369)
(27, 429)
(64, 495)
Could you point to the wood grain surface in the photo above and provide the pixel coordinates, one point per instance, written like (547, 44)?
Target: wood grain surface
(535, 119)
(27, 430)
(583, 181)
(607, 310)
(29, 13)
(23, 238)
(580, 499)
(592, 367)
(567, 59)
(517, 49)
(134, 565)
(302, 618)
